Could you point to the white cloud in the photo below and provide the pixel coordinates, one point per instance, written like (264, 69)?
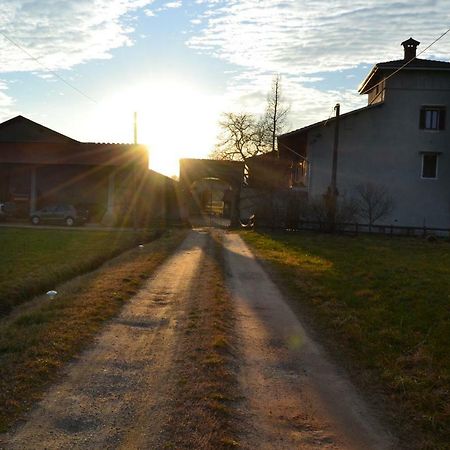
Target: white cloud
(6, 103)
(298, 38)
(63, 33)
(308, 36)
(176, 4)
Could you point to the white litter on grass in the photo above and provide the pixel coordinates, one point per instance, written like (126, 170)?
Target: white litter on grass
(52, 294)
(141, 246)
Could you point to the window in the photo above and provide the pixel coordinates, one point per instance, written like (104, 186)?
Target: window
(429, 165)
(432, 118)
(299, 172)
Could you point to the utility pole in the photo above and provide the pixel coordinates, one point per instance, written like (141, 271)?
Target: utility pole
(275, 112)
(337, 108)
(135, 173)
(135, 129)
(332, 190)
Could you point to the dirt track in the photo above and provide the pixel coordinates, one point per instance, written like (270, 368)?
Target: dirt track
(296, 399)
(119, 394)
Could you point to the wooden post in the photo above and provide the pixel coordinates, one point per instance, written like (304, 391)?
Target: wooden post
(110, 203)
(33, 189)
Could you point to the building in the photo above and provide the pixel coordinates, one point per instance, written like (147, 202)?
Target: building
(39, 166)
(400, 141)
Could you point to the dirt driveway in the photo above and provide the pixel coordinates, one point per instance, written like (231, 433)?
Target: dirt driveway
(296, 398)
(122, 392)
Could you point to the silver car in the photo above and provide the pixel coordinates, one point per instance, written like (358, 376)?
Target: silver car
(66, 214)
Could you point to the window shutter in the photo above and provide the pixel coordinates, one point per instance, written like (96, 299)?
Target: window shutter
(442, 119)
(422, 119)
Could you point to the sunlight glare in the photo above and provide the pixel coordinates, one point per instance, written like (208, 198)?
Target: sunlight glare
(175, 121)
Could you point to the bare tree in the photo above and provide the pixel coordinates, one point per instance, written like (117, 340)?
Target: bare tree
(241, 137)
(318, 210)
(275, 119)
(374, 202)
(244, 135)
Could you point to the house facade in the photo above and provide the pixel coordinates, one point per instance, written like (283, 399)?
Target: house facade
(400, 141)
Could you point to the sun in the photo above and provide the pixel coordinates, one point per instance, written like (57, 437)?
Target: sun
(175, 120)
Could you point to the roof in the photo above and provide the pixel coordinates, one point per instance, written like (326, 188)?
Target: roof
(414, 64)
(23, 141)
(325, 122)
(78, 153)
(272, 155)
(21, 129)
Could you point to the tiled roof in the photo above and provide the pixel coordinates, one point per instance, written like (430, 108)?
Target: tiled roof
(414, 64)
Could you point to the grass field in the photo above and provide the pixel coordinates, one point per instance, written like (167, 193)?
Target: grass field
(40, 336)
(384, 305)
(33, 261)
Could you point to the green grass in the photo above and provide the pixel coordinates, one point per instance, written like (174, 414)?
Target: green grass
(37, 339)
(33, 261)
(384, 304)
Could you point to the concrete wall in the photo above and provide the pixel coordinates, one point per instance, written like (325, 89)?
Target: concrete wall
(382, 145)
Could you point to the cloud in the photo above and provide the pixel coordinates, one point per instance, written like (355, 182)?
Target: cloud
(6, 103)
(166, 6)
(299, 38)
(63, 33)
(309, 36)
(176, 4)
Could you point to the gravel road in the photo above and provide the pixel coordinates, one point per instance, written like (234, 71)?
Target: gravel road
(118, 393)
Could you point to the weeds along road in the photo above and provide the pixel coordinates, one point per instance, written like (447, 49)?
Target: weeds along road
(207, 355)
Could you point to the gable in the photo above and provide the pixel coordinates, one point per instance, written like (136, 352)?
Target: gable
(21, 129)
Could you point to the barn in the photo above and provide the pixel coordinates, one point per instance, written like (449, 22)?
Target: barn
(39, 166)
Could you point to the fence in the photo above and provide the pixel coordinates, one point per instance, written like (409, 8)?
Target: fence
(357, 228)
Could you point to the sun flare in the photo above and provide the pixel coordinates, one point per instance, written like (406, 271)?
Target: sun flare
(174, 119)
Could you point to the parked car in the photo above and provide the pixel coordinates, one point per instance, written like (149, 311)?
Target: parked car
(67, 214)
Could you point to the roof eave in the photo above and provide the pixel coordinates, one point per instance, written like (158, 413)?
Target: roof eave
(331, 119)
(366, 81)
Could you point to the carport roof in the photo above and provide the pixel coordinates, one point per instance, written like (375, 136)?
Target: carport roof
(72, 153)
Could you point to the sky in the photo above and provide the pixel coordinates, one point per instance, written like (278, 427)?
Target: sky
(180, 64)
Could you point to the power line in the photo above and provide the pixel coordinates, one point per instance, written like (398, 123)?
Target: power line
(47, 68)
(329, 116)
(384, 79)
(404, 65)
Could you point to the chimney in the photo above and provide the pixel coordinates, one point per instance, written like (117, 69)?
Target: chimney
(410, 47)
